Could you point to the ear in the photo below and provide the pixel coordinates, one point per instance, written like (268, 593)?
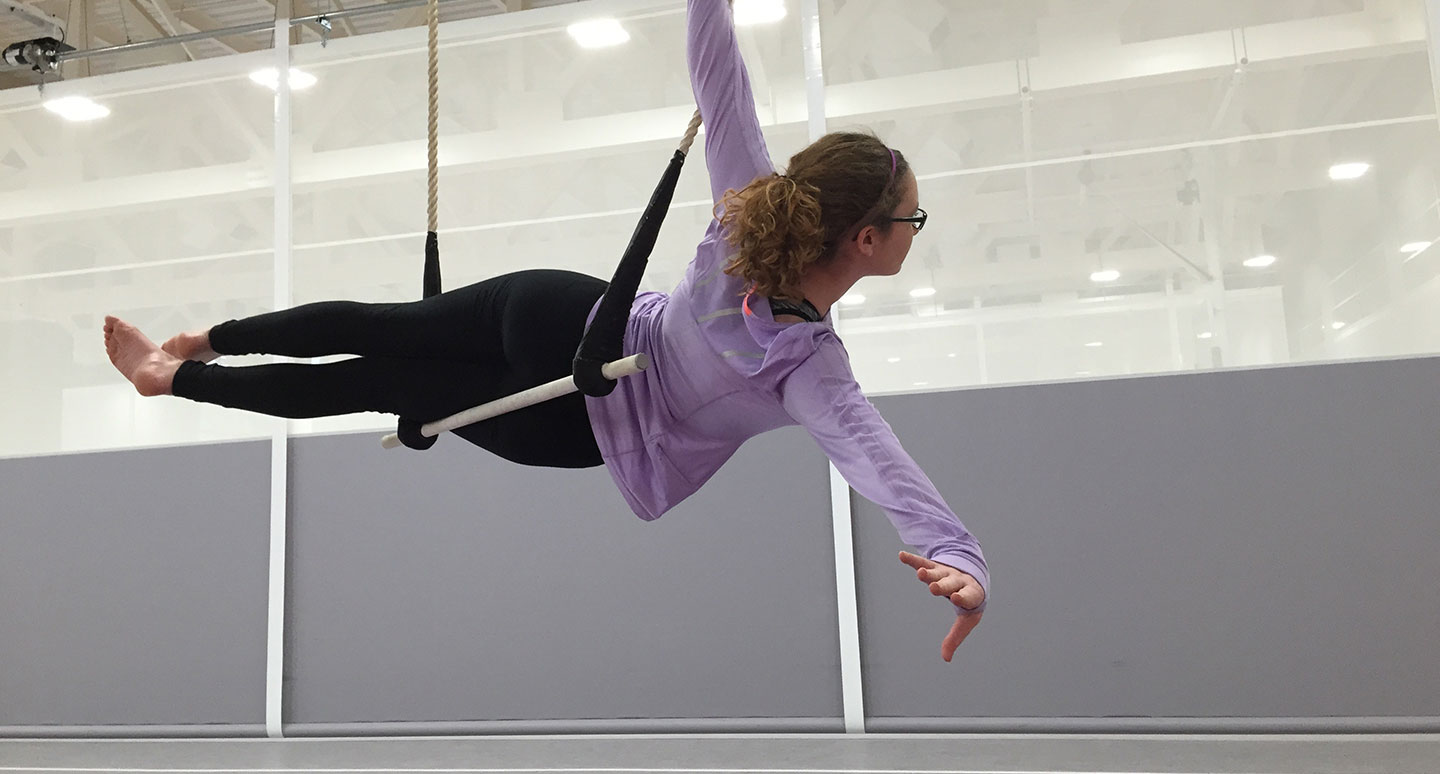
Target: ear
(865, 240)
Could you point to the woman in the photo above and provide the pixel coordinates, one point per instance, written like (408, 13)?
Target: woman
(740, 347)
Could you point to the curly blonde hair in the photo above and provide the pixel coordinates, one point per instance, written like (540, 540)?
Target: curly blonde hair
(781, 225)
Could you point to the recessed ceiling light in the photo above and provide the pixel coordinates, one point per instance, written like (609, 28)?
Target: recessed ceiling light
(1095, 344)
(299, 79)
(1337, 325)
(1414, 248)
(1206, 335)
(1349, 171)
(852, 299)
(892, 360)
(77, 108)
(758, 11)
(598, 33)
(1260, 262)
(922, 292)
(952, 354)
(1105, 275)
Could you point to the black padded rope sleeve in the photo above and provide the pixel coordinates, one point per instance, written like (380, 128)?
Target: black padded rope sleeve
(432, 265)
(604, 341)
(409, 430)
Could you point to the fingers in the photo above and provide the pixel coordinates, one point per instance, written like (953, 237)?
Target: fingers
(969, 597)
(963, 587)
(948, 581)
(959, 630)
(945, 586)
(918, 562)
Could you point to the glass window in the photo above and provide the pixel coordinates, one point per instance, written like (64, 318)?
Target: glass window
(1149, 187)
(160, 213)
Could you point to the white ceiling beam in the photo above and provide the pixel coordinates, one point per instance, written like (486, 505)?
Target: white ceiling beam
(172, 24)
(157, 28)
(195, 20)
(78, 24)
(50, 25)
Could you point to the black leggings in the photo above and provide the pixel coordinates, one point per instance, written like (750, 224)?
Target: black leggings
(422, 360)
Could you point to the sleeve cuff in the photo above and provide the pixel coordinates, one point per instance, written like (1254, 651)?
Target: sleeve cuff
(969, 566)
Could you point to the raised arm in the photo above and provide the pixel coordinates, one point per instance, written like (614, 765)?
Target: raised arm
(822, 395)
(735, 151)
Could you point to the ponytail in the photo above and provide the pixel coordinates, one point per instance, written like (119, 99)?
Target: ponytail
(775, 223)
(782, 225)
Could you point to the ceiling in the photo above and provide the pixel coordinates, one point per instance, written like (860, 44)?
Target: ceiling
(94, 24)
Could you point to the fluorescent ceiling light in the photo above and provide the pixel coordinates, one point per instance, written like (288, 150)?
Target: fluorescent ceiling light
(1095, 344)
(922, 292)
(952, 354)
(1337, 325)
(758, 11)
(1260, 261)
(851, 299)
(1206, 335)
(77, 108)
(892, 360)
(299, 79)
(1415, 247)
(1105, 275)
(1349, 171)
(598, 33)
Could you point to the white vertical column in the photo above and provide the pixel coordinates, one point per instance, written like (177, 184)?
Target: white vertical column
(1432, 39)
(280, 438)
(1177, 349)
(1207, 171)
(851, 686)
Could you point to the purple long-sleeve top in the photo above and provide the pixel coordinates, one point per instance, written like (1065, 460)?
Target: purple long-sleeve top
(721, 376)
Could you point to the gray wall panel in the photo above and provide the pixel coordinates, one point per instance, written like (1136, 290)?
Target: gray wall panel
(1250, 543)
(450, 585)
(133, 587)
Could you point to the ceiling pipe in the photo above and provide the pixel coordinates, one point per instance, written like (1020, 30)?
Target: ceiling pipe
(35, 16)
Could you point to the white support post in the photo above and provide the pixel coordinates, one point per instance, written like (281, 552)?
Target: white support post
(280, 438)
(1172, 313)
(1210, 219)
(1432, 44)
(851, 684)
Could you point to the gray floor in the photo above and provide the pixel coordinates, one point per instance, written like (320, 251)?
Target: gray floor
(771, 754)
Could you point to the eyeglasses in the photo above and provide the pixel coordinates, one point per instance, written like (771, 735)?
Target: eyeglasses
(917, 220)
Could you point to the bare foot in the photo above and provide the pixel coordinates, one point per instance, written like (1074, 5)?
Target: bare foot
(194, 345)
(136, 357)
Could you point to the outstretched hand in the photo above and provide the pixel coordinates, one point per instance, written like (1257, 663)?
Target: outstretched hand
(960, 588)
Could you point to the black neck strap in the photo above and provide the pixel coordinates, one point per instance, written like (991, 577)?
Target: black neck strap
(804, 309)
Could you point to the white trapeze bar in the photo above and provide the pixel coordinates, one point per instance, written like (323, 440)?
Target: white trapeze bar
(562, 386)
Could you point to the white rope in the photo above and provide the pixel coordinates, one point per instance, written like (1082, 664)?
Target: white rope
(434, 211)
(690, 132)
(548, 391)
